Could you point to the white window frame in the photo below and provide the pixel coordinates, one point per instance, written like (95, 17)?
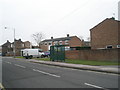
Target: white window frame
(60, 42)
(46, 43)
(118, 46)
(66, 42)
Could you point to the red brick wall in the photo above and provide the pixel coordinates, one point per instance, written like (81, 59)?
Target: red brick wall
(75, 41)
(105, 33)
(99, 55)
(119, 33)
(44, 47)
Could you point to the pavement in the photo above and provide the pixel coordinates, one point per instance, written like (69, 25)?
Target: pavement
(108, 69)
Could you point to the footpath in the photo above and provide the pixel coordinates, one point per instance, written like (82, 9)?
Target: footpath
(108, 69)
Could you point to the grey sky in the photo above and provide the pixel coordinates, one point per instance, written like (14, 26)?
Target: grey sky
(53, 17)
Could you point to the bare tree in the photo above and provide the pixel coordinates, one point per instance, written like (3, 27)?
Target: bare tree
(37, 37)
(81, 38)
(88, 38)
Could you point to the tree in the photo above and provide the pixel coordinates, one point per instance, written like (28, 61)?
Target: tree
(88, 38)
(37, 37)
(81, 38)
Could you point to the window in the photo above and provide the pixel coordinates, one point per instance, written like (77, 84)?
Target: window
(67, 48)
(109, 46)
(66, 42)
(11, 45)
(56, 43)
(50, 43)
(45, 43)
(23, 45)
(60, 42)
(118, 46)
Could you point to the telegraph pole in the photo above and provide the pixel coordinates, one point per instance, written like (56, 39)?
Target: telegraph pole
(14, 44)
(14, 51)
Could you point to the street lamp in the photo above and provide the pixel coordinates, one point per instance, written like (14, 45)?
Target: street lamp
(14, 42)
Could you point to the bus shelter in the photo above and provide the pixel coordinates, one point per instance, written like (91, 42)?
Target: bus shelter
(57, 53)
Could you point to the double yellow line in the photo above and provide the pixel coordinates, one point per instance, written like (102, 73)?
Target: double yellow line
(1, 87)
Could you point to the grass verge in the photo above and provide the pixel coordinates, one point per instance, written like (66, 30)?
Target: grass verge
(19, 57)
(91, 62)
(84, 62)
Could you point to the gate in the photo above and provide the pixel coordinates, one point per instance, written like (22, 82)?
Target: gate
(57, 53)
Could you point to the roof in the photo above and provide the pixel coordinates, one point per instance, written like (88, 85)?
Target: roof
(104, 21)
(58, 39)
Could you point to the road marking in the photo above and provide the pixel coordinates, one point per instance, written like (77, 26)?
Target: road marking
(95, 86)
(19, 65)
(78, 69)
(46, 73)
(8, 62)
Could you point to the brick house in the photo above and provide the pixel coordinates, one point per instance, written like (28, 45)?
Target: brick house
(7, 48)
(70, 41)
(106, 34)
(0, 49)
(86, 44)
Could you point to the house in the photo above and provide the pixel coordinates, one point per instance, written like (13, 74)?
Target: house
(86, 43)
(0, 49)
(69, 41)
(106, 34)
(8, 47)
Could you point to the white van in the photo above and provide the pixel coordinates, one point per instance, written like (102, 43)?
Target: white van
(30, 53)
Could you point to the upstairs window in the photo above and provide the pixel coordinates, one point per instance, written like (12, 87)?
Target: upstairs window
(45, 43)
(12, 45)
(23, 45)
(66, 42)
(50, 43)
(60, 42)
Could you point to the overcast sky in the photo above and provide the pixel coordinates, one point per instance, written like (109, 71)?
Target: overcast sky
(53, 17)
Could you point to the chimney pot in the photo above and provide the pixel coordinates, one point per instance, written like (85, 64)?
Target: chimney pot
(67, 35)
(51, 37)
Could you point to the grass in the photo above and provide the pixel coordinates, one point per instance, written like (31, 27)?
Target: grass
(84, 62)
(91, 62)
(19, 57)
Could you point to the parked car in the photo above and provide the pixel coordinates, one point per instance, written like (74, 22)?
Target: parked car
(46, 53)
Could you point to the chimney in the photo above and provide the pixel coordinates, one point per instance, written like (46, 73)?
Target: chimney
(7, 41)
(67, 35)
(51, 37)
(19, 39)
(113, 18)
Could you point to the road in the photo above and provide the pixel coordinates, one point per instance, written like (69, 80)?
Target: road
(20, 73)
(0, 69)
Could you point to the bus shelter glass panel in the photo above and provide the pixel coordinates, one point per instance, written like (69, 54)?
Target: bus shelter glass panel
(57, 53)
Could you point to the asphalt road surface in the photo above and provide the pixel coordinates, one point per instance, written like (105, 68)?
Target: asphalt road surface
(20, 73)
